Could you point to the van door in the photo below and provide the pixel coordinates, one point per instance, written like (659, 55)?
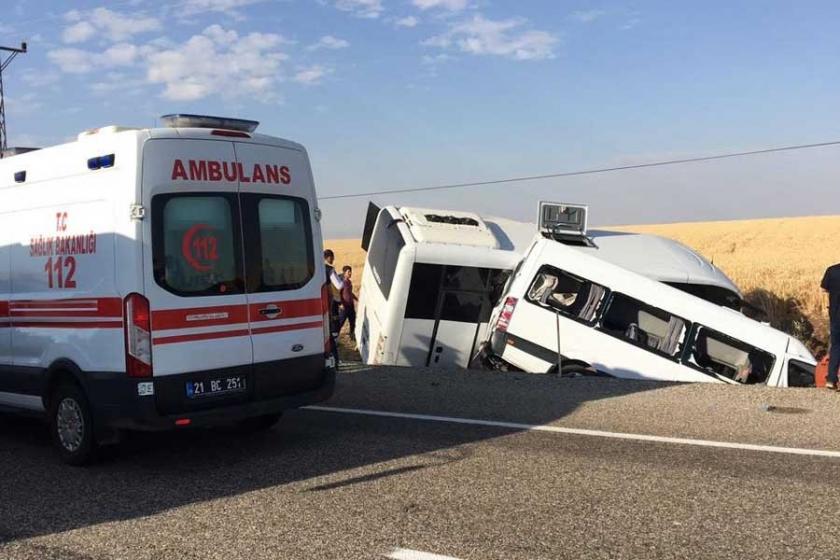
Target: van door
(447, 312)
(283, 272)
(457, 328)
(194, 273)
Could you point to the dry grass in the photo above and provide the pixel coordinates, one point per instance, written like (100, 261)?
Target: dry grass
(777, 263)
(348, 251)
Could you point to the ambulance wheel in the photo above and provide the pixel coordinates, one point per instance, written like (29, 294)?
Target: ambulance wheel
(71, 425)
(257, 424)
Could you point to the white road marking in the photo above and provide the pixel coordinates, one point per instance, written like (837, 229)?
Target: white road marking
(407, 554)
(584, 432)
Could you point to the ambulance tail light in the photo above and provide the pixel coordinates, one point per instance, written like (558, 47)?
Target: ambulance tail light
(503, 322)
(138, 336)
(325, 315)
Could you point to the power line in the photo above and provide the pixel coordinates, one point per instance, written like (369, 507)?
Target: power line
(588, 171)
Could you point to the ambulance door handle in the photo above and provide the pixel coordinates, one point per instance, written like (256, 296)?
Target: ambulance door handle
(270, 312)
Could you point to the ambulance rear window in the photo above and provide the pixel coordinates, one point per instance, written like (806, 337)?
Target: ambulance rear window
(195, 242)
(278, 242)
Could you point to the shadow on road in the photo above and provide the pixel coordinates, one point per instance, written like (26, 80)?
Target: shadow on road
(151, 473)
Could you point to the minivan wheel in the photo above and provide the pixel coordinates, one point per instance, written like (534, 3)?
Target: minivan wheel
(258, 424)
(577, 370)
(71, 425)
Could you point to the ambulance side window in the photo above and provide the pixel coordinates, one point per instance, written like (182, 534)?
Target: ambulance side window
(278, 242)
(195, 244)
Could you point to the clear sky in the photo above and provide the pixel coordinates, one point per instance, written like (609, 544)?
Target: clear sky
(403, 93)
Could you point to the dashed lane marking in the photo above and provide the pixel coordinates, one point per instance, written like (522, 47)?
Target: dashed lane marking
(408, 554)
(584, 432)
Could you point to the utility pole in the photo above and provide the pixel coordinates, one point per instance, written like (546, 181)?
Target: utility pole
(13, 52)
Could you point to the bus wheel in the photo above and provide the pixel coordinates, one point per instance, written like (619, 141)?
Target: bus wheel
(71, 425)
(258, 424)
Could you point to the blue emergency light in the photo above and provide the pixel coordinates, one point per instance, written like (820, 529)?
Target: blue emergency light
(101, 162)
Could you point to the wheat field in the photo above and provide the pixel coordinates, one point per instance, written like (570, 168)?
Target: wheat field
(777, 263)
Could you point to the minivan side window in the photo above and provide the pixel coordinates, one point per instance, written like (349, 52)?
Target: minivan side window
(646, 326)
(278, 242)
(384, 251)
(195, 241)
(566, 293)
(800, 374)
(716, 353)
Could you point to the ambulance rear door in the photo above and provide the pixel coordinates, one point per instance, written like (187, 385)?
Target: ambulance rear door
(194, 273)
(283, 268)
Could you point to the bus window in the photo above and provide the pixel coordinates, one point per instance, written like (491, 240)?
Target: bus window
(467, 278)
(570, 295)
(717, 353)
(461, 306)
(800, 374)
(423, 291)
(384, 252)
(644, 325)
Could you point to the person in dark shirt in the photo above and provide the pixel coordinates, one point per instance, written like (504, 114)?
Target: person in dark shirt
(831, 284)
(348, 302)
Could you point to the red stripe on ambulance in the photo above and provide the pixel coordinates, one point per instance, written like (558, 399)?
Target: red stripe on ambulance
(234, 333)
(286, 309)
(99, 307)
(68, 324)
(61, 314)
(284, 328)
(168, 319)
(157, 341)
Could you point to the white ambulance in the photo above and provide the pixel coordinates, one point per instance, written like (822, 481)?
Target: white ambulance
(161, 278)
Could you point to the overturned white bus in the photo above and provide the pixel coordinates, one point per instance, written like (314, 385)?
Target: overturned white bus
(432, 277)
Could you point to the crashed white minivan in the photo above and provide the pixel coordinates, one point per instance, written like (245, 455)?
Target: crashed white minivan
(565, 310)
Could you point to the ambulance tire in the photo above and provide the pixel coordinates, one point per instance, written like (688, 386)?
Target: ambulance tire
(258, 424)
(71, 425)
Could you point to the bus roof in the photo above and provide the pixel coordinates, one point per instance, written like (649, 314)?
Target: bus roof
(659, 258)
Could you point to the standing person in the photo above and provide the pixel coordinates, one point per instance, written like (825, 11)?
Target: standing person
(335, 285)
(348, 302)
(831, 284)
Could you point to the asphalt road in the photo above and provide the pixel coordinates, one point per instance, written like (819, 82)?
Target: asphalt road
(345, 485)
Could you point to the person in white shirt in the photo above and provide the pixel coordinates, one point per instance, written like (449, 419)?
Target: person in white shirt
(336, 283)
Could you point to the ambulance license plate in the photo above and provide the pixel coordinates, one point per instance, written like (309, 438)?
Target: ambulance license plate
(214, 387)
